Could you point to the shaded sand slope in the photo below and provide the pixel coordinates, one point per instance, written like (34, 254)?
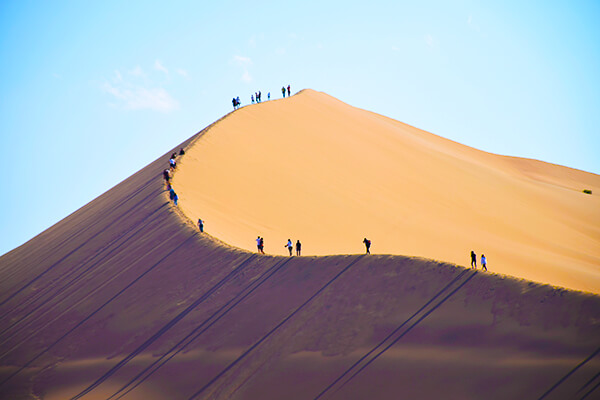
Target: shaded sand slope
(124, 297)
(313, 168)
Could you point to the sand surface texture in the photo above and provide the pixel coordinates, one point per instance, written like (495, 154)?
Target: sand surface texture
(125, 299)
(315, 169)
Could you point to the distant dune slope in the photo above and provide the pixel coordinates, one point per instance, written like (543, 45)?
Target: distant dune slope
(125, 299)
(313, 168)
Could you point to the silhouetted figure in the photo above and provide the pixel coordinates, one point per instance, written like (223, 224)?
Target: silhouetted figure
(175, 199)
(234, 102)
(258, 243)
(173, 156)
(269, 96)
(367, 243)
(289, 91)
(473, 260)
(252, 98)
(239, 103)
(262, 245)
(289, 246)
(200, 225)
(483, 263)
(167, 175)
(298, 247)
(283, 91)
(181, 151)
(259, 96)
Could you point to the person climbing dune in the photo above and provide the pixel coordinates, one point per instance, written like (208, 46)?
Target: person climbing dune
(367, 243)
(289, 246)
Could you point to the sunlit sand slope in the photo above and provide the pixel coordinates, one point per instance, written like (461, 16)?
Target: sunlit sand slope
(315, 169)
(125, 299)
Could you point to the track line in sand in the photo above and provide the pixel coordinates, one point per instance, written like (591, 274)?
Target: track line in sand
(274, 329)
(395, 331)
(49, 347)
(165, 327)
(571, 372)
(86, 242)
(86, 296)
(49, 298)
(200, 329)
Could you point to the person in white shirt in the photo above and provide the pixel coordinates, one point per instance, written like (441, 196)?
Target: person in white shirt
(289, 246)
(483, 263)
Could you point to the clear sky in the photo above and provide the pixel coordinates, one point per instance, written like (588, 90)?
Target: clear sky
(92, 91)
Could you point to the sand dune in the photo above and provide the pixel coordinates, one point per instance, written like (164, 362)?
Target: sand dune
(316, 169)
(125, 299)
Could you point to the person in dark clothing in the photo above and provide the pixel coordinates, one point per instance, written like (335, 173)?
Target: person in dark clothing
(171, 194)
(473, 260)
(298, 247)
(200, 225)
(367, 243)
(166, 175)
(262, 245)
(181, 151)
(283, 91)
(234, 102)
(289, 91)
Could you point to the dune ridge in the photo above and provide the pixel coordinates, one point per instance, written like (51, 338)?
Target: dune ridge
(125, 299)
(316, 169)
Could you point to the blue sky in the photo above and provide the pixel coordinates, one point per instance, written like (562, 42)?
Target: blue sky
(93, 91)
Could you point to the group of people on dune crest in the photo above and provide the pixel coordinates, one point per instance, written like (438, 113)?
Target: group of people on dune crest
(257, 97)
(474, 261)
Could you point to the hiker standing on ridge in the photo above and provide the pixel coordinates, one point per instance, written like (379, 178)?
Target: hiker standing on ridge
(367, 243)
(289, 246)
(473, 260)
(269, 96)
(258, 243)
(283, 91)
(298, 248)
(289, 91)
(262, 245)
(200, 225)
(483, 263)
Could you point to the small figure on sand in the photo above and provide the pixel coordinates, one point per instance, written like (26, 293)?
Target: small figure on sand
(298, 248)
(260, 245)
(234, 102)
(172, 163)
(167, 175)
(181, 151)
(269, 96)
(175, 199)
(367, 243)
(289, 246)
(483, 263)
(252, 98)
(283, 91)
(473, 260)
(289, 91)
(259, 96)
(200, 225)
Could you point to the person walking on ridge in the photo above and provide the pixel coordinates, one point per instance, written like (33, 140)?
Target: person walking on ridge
(367, 243)
(200, 225)
(483, 263)
(289, 246)
(258, 243)
(473, 260)
(283, 91)
(298, 248)
(262, 245)
(289, 91)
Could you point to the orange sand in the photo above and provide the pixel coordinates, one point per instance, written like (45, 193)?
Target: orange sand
(316, 169)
